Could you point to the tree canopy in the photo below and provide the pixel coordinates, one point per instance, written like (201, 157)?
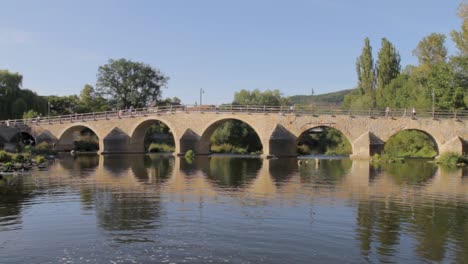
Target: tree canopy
(130, 84)
(257, 97)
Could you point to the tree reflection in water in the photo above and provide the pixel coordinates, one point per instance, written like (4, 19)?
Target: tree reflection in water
(410, 212)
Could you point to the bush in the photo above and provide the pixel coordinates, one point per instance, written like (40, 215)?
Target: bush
(160, 147)
(39, 159)
(222, 148)
(4, 157)
(303, 150)
(19, 158)
(189, 154)
(228, 148)
(43, 148)
(452, 159)
(386, 158)
(83, 145)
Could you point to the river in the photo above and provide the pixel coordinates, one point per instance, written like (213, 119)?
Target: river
(164, 209)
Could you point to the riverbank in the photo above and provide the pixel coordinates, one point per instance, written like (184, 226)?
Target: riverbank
(23, 161)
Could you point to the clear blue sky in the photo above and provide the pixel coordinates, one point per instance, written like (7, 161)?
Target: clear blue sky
(222, 46)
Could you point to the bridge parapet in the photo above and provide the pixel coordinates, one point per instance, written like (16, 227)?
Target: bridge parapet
(278, 127)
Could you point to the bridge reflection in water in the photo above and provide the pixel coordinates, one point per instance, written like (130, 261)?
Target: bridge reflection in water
(263, 178)
(410, 212)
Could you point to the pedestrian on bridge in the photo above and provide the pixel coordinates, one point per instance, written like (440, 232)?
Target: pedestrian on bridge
(414, 112)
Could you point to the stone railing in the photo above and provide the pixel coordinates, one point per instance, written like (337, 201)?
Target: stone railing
(254, 109)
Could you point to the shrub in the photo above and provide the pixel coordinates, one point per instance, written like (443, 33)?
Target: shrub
(386, 158)
(451, 158)
(40, 159)
(228, 148)
(19, 158)
(160, 147)
(43, 148)
(4, 157)
(222, 148)
(83, 145)
(189, 154)
(303, 150)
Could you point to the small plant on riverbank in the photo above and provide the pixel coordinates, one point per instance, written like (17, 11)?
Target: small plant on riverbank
(452, 159)
(39, 159)
(228, 148)
(43, 148)
(189, 156)
(160, 147)
(18, 158)
(4, 157)
(386, 158)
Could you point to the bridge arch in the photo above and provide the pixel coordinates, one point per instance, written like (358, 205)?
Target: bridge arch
(434, 141)
(138, 133)
(68, 136)
(204, 144)
(23, 138)
(317, 129)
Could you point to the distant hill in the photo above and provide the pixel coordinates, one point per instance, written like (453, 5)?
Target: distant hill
(335, 98)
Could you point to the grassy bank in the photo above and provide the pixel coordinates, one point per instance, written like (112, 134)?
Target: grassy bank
(27, 158)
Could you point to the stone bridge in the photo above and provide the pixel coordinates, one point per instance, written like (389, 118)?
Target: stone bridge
(278, 129)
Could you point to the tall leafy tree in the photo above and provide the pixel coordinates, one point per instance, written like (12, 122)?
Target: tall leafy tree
(366, 72)
(431, 50)
(130, 84)
(257, 97)
(388, 64)
(461, 37)
(460, 61)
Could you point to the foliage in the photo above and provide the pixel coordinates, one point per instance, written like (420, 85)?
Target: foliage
(303, 149)
(14, 100)
(130, 84)
(388, 64)
(89, 101)
(160, 147)
(4, 156)
(256, 97)
(19, 158)
(190, 154)
(228, 148)
(329, 142)
(366, 72)
(39, 159)
(30, 114)
(386, 158)
(410, 143)
(43, 148)
(431, 50)
(85, 145)
(452, 159)
(238, 134)
(461, 37)
(63, 105)
(335, 98)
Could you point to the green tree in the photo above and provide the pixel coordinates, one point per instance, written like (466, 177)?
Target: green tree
(461, 37)
(63, 105)
(18, 108)
(130, 84)
(366, 72)
(256, 97)
(388, 68)
(30, 114)
(431, 50)
(90, 101)
(388, 64)
(459, 62)
(441, 80)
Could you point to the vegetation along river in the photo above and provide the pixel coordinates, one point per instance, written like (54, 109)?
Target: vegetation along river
(223, 209)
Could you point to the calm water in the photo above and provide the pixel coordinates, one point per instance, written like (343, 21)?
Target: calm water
(161, 209)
